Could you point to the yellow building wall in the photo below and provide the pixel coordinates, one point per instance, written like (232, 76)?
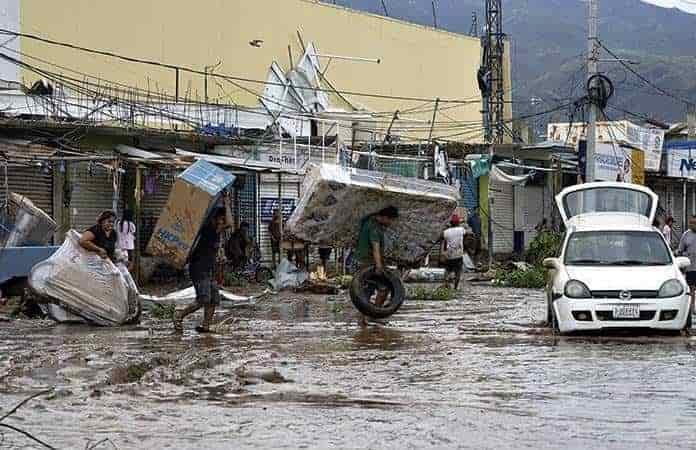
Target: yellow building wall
(416, 61)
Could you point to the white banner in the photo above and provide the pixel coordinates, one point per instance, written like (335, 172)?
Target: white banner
(650, 140)
(612, 163)
(681, 163)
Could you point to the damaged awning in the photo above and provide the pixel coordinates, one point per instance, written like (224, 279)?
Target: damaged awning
(499, 176)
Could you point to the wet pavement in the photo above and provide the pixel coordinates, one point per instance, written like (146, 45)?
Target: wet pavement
(477, 372)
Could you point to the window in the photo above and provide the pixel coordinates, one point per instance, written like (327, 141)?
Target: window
(609, 199)
(617, 248)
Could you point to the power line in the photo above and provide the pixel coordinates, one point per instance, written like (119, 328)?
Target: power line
(78, 85)
(644, 79)
(218, 75)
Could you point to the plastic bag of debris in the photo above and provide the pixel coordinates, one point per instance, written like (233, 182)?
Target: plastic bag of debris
(82, 284)
(288, 276)
(335, 201)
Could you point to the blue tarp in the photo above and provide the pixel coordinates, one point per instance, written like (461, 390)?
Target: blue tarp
(17, 262)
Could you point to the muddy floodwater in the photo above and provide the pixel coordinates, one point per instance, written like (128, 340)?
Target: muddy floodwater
(477, 372)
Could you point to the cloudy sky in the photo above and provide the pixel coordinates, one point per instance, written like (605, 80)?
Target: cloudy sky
(685, 5)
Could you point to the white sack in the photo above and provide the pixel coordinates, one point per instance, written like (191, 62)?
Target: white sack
(86, 285)
(288, 276)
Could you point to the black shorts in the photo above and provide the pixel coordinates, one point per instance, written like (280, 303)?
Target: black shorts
(691, 278)
(207, 292)
(454, 265)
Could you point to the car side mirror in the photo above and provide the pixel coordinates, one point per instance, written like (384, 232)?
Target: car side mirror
(551, 263)
(683, 262)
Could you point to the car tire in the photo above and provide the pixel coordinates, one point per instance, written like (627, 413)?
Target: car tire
(363, 287)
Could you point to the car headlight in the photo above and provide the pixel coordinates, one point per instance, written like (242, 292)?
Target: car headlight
(576, 289)
(671, 288)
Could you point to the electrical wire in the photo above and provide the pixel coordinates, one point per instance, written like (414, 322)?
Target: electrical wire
(644, 79)
(216, 75)
(74, 81)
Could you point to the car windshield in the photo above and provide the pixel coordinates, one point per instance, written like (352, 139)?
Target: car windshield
(617, 248)
(609, 199)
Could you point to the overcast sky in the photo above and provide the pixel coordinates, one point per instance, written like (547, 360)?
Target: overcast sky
(685, 5)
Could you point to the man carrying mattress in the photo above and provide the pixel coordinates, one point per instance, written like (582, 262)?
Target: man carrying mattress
(201, 265)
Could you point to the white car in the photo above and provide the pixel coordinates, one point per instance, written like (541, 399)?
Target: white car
(615, 269)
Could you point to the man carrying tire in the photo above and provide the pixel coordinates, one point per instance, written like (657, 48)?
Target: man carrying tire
(370, 248)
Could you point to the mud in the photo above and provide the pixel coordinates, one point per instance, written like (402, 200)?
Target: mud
(298, 372)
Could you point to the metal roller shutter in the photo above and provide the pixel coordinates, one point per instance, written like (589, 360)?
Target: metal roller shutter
(92, 193)
(157, 184)
(529, 210)
(35, 183)
(676, 209)
(268, 201)
(502, 215)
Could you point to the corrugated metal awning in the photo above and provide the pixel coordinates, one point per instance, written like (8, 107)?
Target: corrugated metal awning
(24, 152)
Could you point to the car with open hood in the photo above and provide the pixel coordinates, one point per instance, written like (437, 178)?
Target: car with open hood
(615, 269)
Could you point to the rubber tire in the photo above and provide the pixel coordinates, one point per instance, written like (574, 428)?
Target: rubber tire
(361, 298)
(263, 275)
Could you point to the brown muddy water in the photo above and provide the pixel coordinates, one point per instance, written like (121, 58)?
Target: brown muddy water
(477, 372)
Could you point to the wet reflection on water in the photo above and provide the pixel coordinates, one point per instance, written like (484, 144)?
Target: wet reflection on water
(478, 372)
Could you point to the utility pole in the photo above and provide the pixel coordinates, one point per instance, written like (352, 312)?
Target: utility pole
(592, 69)
(493, 47)
(473, 31)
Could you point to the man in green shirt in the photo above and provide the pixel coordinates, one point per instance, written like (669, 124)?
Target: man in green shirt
(370, 248)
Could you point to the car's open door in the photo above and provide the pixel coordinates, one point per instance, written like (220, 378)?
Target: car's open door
(606, 197)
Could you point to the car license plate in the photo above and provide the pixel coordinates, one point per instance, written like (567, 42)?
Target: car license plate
(626, 312)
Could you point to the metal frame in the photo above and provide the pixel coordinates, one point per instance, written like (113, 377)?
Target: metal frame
(493, 48)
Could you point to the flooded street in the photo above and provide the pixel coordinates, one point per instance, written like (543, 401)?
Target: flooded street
(477, 372)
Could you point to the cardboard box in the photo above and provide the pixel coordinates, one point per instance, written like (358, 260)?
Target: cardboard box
(191, 200)
(335, 201)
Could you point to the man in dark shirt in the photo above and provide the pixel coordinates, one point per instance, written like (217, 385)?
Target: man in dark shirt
(201, 265)
(275, 230)
(238, 248)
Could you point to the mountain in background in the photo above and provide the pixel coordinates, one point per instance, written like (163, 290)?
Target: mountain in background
(549, 46)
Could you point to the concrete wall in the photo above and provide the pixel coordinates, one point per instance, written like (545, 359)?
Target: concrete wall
(416, 61)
